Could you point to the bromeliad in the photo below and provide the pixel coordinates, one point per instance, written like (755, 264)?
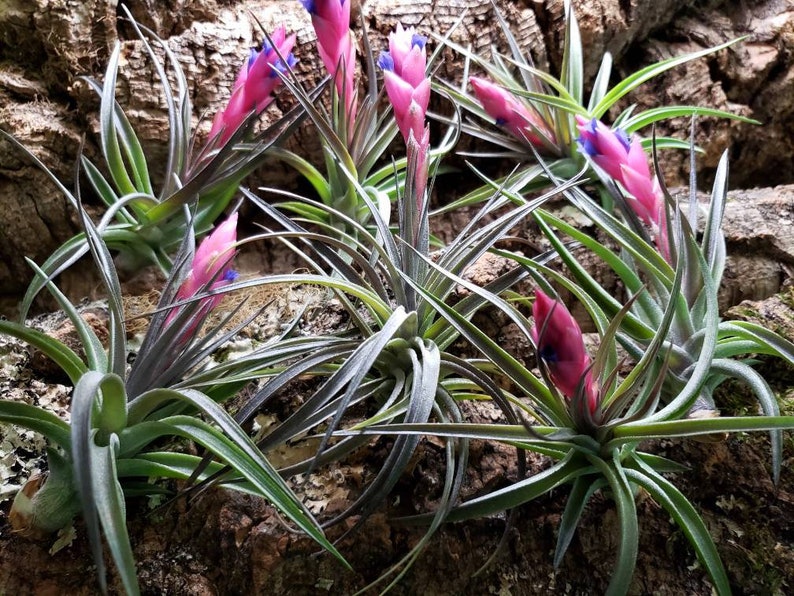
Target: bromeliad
(255, 84)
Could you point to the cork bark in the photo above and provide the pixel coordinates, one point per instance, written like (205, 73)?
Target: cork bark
(49, 44)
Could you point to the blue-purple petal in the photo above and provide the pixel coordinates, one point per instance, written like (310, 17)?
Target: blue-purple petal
(548, 354)
(621, 136)
(386, 62)
(252, 58)
(588, 146)
(279, 66)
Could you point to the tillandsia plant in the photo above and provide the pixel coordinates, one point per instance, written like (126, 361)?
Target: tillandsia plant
(142, 223)
(393, 362)
(590, 416)
(357, 132)
(670, 327)
(523, 111)
(112, 447)
(647, 269)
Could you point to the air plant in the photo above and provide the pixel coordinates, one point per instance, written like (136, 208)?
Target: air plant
(145, 225)
(647, 273)
(357, 132)
(591, 418)
(392, 372)
(522, 111)
(112, 444)
(394, 361)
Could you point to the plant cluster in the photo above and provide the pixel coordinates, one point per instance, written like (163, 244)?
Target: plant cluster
(365, 238)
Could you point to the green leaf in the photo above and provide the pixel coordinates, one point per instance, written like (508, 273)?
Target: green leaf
(746, 374)
(639, 431)
(765, 341)
(117, 335)
(648, 117)
(638, 78)
(601, 84)
(179, 466)
(371, 300)
(232, 445)
(685, 516)
(108, 498)
(104, 190)
(36, 419)
(523, 491)
(713, 243)
(179, 110)
(107, 127)
(509, 433)
(628, 538)
(611, 306)
(424, 375)
(241, 454)
(66, 359)
(572, 68)
(583, 488)
(111, 418)
(94, 351)
(698, 373)
(87, 476)
(661, 464)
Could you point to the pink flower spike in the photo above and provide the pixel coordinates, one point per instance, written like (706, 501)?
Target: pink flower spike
(405, 80)
(211, 260)
(560, 346)
(625, 161)
(257, 80)
(407, 51)
(508, 111)
(331, 22)
(637, 159)
(608, 148)
(662, 237)
(211, 269)
(645, 192)
(421, 146)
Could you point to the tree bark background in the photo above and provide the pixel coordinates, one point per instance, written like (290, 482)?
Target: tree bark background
(47, 45)
(228, 544)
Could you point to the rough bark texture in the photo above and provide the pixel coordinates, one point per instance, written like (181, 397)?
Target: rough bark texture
(48, 44)
(224, 543)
